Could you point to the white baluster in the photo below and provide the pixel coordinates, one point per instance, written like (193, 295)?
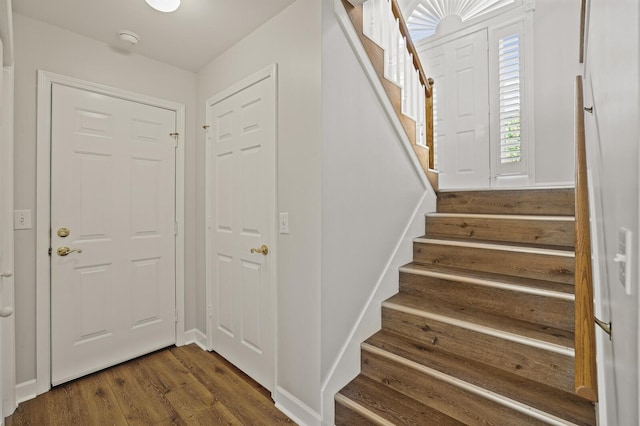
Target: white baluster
(421, 125)
(381, 15)
(395, 52)
(406, 77)
(384, 33)
(367, 19)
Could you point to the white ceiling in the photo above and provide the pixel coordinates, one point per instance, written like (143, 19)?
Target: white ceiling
(189, 38)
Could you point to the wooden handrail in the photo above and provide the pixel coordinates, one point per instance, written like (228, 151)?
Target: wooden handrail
(404, 30)
(585, 348)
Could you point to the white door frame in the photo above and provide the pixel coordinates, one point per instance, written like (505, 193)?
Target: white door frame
(271, 72)
(43, 210)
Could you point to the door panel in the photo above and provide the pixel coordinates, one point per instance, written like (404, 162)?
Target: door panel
(113, 187)
(242, 197)
(460, 71)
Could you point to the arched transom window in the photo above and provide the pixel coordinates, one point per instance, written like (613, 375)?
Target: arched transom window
(427, 15)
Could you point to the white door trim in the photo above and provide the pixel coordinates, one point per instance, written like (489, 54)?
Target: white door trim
(43, 210)
(271, 72)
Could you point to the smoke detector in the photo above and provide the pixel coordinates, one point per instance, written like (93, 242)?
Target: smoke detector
(129, 37)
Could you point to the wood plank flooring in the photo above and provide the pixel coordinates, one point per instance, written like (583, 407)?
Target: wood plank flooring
(175, 386)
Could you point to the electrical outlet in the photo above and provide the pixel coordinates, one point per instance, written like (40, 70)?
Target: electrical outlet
(624, 259)
(284, 223)
(21, 219)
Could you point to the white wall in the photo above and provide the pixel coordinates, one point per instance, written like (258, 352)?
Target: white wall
(369, 188)
(42, 46)
(556, 42)
(292, 40)
(612, 72)
(372, 192)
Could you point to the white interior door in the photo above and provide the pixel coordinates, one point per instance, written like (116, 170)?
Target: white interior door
(460, 70)
(113, 189)
(241, 170)
(7, 290)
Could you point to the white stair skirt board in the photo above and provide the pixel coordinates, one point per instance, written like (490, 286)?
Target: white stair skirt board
(492, 396)
(516, 338)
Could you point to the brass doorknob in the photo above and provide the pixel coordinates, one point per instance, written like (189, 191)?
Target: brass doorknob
(64, 251)
(263, 249)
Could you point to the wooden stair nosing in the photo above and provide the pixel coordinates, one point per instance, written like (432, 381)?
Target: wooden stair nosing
(498, 246)
(541, 218)
(550, 288)
(361, 411)
(483, 329)
(529, 392)
(473, 389)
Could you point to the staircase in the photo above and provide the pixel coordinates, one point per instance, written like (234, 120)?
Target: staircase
(482, 330)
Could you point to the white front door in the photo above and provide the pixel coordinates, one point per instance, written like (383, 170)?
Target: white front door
(241, 206)
(113, 206)
(461, 110)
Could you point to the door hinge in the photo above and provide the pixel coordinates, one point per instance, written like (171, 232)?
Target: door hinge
(175, 136)
(175, 228)
(176, 316)
(50, 250)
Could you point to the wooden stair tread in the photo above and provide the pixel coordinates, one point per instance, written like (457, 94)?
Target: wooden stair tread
(525, 329)
(392, 406)
(488, 276)
(561, 404)
(501, 245)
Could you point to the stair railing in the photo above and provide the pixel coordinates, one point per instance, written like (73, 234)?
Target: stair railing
(382, 23)
(585, 348)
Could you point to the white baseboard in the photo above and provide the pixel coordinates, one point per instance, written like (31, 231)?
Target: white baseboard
(196, 336)
(26, 391)
(295, 409)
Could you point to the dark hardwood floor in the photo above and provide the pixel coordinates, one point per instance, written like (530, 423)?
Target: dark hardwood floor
(174, 386)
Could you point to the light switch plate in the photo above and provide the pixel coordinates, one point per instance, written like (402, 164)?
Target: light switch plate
(284, 223)
(21, 219)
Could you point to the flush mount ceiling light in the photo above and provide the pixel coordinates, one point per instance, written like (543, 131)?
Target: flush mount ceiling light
(164, 5)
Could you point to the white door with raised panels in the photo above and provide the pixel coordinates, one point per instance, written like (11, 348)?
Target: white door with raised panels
(460, 71)
(241, 213)
(112, 231)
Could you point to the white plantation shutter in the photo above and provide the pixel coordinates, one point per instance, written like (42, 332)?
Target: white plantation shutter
(510, 94)
(509, 98)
